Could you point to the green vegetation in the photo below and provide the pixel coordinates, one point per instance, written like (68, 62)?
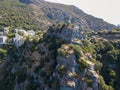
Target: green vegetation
(112, 74)
(2, 51)
(103, 85)
(62, 52)
(98, 65)
(89, 82)
(3, 54)
(77, 49)
(11, 35)
(40, 54)
(65, 51)
(82, 65)
(36, 60)
(107, 61)
(16, 14)
(108, 55)
(62, 68)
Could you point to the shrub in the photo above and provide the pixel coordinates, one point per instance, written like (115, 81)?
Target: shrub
(112, 74)
(3, 51)
(89, 82)
(102, 85)
(32, 59)
(98, 66)
(62, 68)
(83, 65)
(77, 49)
(11, 35)
(62, 52)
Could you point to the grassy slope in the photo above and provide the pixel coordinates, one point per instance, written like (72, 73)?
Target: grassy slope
(16, 14)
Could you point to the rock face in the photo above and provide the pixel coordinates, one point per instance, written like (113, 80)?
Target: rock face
(68, 82)
(51, 60)
(63, 13)
(68, 63)
(52, 63)
(71, 78)
(68, 33)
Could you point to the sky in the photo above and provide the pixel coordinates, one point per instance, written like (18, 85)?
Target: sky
(109, 10)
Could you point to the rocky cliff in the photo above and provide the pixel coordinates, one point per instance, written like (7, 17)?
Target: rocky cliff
(66, 56)
(53, 61)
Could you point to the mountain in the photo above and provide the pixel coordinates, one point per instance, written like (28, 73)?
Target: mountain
(70, 54)
(62, 58)
(118, 25)
(62, 13)
(38, 14)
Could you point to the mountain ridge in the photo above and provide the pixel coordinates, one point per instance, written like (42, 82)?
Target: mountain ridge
(39, 14)
(56, 12)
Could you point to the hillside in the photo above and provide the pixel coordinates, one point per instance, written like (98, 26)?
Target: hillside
(62, 13)
(62, 58)
(16, 14)
(39, 14)
(50, 46)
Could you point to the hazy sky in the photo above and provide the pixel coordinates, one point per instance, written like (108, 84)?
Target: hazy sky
(109, 10)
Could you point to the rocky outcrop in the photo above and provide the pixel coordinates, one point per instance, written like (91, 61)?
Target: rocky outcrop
(68, 33)
(72, 78)
(68, 82)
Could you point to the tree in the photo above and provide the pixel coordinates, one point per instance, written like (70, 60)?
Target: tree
(112, 74)
(83, 65)
(98, 66)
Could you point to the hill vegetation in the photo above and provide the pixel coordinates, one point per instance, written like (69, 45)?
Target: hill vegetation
(39, 14)
(18, 15)
(40, 59)
(72, 54)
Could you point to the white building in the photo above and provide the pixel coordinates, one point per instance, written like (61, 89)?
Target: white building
(3, 39)
(31, 32)
(5, 30)
(24, 32)
(1, 33)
